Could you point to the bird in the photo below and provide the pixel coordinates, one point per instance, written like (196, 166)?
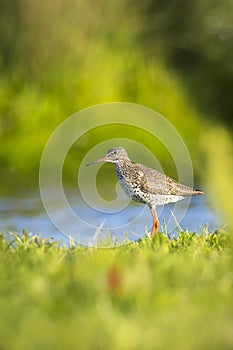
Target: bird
(146, 185)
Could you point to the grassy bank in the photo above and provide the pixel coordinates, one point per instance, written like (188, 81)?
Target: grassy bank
(157, 294)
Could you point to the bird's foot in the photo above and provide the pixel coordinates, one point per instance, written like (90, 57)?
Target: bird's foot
(154, 229)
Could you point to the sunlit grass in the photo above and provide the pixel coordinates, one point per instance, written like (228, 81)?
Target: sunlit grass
(151, 294)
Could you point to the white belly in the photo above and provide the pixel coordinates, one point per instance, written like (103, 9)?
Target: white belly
(164, 199)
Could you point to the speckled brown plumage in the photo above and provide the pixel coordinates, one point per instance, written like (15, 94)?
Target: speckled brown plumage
(146, 185)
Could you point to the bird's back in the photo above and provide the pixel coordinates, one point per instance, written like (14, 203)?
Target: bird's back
(158, 183)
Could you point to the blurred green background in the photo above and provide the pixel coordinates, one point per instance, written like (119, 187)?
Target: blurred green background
(59, 57)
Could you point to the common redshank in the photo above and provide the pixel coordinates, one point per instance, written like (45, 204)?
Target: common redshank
(146, 185)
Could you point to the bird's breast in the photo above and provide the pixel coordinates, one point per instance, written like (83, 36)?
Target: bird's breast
(130, 184)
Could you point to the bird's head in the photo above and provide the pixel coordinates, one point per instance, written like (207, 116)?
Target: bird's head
(113, 156)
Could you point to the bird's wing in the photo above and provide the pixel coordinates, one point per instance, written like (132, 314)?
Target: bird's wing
(157, 183)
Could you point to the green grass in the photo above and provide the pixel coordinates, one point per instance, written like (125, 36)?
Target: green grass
(157, 294)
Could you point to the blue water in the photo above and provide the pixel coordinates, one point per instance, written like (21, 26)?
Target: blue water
(27, 212)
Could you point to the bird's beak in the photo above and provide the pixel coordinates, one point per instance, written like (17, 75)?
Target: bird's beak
(103, 159)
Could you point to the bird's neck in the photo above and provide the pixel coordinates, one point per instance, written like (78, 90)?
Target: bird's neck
(123, 166)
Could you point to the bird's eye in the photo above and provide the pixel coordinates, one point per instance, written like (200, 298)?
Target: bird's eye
(115, 152)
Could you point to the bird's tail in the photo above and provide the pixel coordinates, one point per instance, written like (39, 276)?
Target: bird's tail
(195, 192)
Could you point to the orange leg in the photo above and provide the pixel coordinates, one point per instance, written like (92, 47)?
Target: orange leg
(155, 226)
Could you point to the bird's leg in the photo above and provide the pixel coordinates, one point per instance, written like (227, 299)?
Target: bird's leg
(155, 226)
